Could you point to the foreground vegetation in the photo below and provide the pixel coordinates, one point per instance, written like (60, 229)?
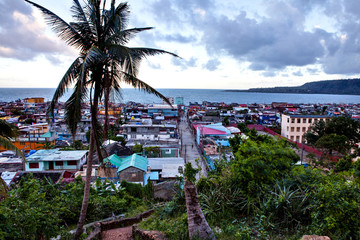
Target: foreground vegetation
(39, 209)
(261, 195)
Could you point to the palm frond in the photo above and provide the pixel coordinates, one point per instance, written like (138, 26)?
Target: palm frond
(67, 80)
(7, 144)
(121, 37)
(141, 85)
(82, 24)
(144, 52)
(73, 106)
(64, 30)
(8, 130)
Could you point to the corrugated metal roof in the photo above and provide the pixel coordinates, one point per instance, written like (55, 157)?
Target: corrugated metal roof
(114, 160)
(134, 161)
(56, 155)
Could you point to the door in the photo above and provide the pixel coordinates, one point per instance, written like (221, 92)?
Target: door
(51, 165)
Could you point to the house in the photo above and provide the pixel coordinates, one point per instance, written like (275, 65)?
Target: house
(33, 137)
(54, 159)
(145, 131)
(163, 111)
(217, 132)
(133, 169)
(293, 127)
(161, 169)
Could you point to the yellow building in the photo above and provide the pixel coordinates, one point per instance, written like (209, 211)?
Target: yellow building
(33, 137)
(33, 100)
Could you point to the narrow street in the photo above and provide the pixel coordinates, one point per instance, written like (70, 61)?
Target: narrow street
(189, 150)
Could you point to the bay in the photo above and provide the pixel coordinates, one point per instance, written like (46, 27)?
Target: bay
(189, 95)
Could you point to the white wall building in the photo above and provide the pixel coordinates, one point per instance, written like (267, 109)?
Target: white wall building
(293, 127)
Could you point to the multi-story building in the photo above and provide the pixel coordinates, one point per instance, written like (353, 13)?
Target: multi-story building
(151, 132)
(293, 127)
(33, 137)
(163, 111)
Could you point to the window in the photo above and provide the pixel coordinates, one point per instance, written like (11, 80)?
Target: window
(22, 143)
(288, 120)
(287, 128)
(292, 138)
(292, 129)
(71, 163)
(34, 165)
(298, 120)
(298, 129)
(59, 163)
(298, 138)
(304, 129)
(133, 129)
(293, 120)
(310, 120)
(315, 120)
(133, 136)
(168, 151)
(304, 120)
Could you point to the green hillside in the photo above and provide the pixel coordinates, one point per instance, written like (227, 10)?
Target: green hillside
(344, 86)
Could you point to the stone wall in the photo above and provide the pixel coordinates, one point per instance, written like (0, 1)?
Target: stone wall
(132, 174)
(125, 222)
(146, 234)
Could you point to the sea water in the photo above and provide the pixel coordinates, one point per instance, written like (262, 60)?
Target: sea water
(189, 95)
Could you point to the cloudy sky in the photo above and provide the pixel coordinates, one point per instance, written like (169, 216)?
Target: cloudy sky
(223, 44)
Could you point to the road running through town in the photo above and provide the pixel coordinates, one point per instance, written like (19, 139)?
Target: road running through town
(189, 149)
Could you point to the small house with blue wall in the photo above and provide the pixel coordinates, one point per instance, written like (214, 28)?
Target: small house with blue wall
(54, 159)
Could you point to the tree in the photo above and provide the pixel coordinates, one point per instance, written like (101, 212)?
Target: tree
(7, 132)
(225, 121)
(138, 148)
(29, 121)
(100, 35)
(338, 134)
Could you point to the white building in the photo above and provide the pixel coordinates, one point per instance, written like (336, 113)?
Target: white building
(293, 127)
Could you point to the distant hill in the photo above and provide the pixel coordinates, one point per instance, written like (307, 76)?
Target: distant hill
(344, 86)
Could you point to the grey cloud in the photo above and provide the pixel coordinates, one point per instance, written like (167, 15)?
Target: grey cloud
(212, 64)
(269, 74)
(154, 65)
(273, 42)
(312, 70)
(256, 66)
(298, 73)
(179, 38)
(185, 64)
(23, 40)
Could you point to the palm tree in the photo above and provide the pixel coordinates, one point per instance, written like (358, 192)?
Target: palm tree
(7, 133)
(100, 35)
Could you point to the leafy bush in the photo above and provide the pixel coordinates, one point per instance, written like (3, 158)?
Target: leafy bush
(39, 209)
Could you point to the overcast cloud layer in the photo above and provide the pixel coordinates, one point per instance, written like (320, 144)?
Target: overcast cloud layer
(292, 38)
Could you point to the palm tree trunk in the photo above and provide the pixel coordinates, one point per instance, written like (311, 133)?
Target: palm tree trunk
(106, 103)
(85, 203)
(93, 143)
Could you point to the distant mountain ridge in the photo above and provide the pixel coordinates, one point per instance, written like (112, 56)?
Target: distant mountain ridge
(343, 86)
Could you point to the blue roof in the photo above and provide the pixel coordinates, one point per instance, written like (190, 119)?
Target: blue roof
(134, 161)
(114, 160)
(152, 176)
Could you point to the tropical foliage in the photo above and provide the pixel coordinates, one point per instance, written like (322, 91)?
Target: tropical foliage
(8, 132)
(261, 194)
(104, 63)
(40, 209)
